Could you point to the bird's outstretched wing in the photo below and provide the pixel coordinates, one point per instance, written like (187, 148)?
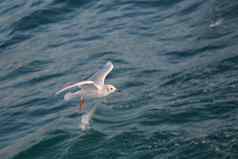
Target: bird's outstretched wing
(102, 73)
(80, 85)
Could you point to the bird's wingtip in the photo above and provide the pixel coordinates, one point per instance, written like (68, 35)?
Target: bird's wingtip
(109, 63)
(57, 93)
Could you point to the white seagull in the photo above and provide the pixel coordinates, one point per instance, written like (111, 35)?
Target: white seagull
(94, 87)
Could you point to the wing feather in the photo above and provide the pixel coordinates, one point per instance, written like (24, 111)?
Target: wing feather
(101, 74)
(79, 84)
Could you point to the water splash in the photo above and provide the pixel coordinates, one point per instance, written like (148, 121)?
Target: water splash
(216, 23)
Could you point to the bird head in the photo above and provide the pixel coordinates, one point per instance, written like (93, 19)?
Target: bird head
(110, 88)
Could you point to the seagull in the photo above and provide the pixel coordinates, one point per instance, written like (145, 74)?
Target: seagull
(94, 87)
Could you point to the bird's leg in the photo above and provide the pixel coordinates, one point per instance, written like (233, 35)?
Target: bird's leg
(82, 103)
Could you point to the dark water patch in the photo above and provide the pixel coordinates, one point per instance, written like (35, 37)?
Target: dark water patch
(91, 38)
(193, 52)
(40, 17)
(149, 4)
(115, 122)
(146, 74)
(81, 146)
(10, 7)
(175, 38)
(202, 72)
(229, 63)
(121, 71)
(189, 148)
(18, 37)
(138, 145)
(24, 69)
(172, 78)
(28, 103)
(52, 141)
(9, 126)
(128, 85)
(221, 109)
(36, 3)
(38, 80)
(216, 35)
(192, 8)
(120, 61)
(74, 3)
(75, 114)
(40, 111)
(176, 117)
(128, 141)
(106, 54)
(227, 9)
(134, 103)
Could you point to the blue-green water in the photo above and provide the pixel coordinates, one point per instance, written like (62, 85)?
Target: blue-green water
(177, 69)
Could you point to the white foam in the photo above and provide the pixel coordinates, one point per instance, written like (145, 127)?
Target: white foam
(216, 23)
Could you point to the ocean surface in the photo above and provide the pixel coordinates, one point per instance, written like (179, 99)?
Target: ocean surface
(175, 62)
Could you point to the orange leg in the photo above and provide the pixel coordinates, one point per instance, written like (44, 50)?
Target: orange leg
(82, 104)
